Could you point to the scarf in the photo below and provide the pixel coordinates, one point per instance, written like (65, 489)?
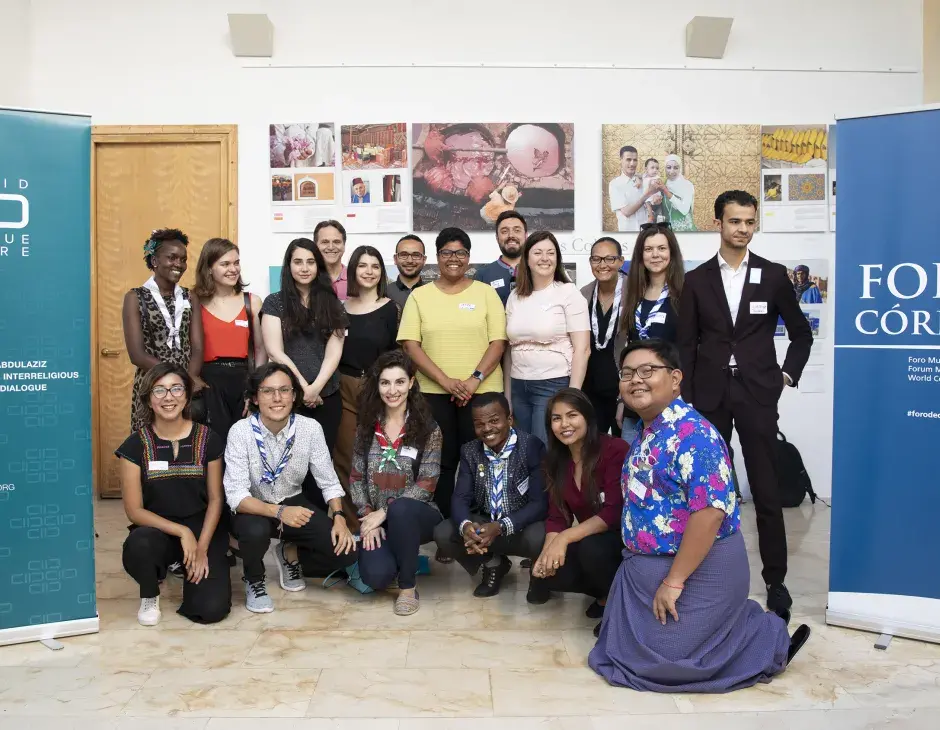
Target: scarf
(614, 315)
(642, 330)
(388, 450)
(499, 464)
(269, 475)
(179, 305)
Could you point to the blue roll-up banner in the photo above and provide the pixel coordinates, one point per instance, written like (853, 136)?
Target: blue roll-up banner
(885, 542)
(47, 536)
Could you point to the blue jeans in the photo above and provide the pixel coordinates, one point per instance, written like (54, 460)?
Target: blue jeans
(631, 427)
(529, 398)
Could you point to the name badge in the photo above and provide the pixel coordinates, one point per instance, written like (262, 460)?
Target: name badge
(658, 318)
(638, 488)
(497, 283)
(466, 306)
(410, 451)
(241, 323)
(345, 333)
(158, 466)
(758, 307)
(601, 497)
(755, 276)
(524, 486)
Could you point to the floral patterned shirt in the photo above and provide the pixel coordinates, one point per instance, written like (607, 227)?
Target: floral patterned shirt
(676, 466)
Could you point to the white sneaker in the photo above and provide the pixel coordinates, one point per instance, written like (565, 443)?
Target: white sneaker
(291, 575)
(149, 612)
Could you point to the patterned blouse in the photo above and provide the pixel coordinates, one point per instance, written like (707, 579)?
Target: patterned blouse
(389, 473)
(676, 466)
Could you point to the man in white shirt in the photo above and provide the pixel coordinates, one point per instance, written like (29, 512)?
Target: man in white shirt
(626, 193)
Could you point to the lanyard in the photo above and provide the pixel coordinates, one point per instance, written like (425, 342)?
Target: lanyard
(269, 475)
(614, 315)
(643, 329)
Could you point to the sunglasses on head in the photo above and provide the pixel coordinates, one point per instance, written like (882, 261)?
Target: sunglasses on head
(661, 224)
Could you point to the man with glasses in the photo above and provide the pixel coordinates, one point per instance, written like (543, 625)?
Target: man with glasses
(510, 237)
(267, 457)
(409, 258)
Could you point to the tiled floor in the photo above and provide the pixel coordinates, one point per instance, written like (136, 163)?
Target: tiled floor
(335, 660)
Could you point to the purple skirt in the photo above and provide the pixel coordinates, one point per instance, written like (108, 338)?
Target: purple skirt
(722, 642)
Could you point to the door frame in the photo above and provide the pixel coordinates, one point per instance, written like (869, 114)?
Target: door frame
(227, 137)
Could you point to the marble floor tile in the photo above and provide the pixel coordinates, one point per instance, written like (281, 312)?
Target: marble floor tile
(865, 719)
(307, 723)
(103, 723)
(402, 693)
(890, 684)
(498, 723)
(487, 649)
(66, 691)
(326, 649)
(166, 649)
(224, 693)
(572, 691)
(579, 643)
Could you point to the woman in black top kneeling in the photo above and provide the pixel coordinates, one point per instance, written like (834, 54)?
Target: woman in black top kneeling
(171, 484)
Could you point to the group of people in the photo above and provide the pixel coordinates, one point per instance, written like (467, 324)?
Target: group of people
(353, 420)
(639, 195)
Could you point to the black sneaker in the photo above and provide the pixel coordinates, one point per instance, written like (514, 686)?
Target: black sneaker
(177, 570)
(597, 630)
(538, 592)
(492, 577)
(797, 640)
(779, 601)
(595, 610)
(526, 563)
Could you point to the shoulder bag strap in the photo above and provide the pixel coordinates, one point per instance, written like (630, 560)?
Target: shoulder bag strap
(251, 332)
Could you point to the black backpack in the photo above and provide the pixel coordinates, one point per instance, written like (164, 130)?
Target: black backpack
(794, 483)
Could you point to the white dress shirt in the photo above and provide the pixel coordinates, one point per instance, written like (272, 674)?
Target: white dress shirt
(625, 191)
(733, 281)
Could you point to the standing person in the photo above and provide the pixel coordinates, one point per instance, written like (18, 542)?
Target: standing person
(231, 326)
(267, 460)
(549, 333)
(680, 196)
(409, 258)
(373, 327)
(330, 238)
(499, 501)
(303, 327)
(158, 317)
(511, 232)
(727, 320)
(455, 332)
(654, 287)
(582, 476)
(804, 288)
(171, 484)
(395, 470)
(606, 298)
(626, 194)
(325, 151)
(678, 617)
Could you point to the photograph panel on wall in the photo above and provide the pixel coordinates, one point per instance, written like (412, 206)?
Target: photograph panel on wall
(832, 176)
(793, 168)
(302, 159)
(375, 173)
(674, 172)
(466, 174)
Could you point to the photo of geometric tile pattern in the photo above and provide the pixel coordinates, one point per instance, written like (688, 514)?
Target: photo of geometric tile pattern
(807, 187)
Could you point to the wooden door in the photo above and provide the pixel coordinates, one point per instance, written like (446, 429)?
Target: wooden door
(146, 178)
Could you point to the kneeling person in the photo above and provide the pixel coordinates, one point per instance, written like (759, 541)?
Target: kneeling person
(266, 460)
(499, 503)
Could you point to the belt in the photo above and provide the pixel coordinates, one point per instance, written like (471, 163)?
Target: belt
(350, 371)
(229, 362)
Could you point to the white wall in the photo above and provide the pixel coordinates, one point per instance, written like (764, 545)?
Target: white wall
(130, 62)
(14, 52)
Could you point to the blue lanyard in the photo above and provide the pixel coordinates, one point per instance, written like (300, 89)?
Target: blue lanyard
(643, 329)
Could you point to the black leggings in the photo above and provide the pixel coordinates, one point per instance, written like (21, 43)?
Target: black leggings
(605, 408)
(225, 397)
(408, 524)
(590, 566)
(148, 552)
(456, 424)
(328, 416)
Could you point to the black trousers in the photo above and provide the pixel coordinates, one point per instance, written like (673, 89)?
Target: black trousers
(328, 416)
(148, 552)
(456, 424)
(225, 397)
(590, 566)
(525, 544)
(757, 429)
(409, 524)
(314, 545)
(605, 406)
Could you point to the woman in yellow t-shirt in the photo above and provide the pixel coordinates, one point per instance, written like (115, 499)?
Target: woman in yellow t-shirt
(455, 331)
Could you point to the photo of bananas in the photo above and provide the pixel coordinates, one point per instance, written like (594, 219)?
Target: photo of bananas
(794, 146)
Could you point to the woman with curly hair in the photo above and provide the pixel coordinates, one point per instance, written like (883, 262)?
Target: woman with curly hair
(158, 317)
(396, 465)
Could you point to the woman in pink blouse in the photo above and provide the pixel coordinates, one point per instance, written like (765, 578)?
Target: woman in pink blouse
(549, 333)
(582, 478)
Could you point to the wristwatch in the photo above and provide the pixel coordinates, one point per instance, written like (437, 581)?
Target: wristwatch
(340, 513)
(478, 375)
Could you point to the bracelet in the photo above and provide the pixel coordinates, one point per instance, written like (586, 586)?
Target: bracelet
(280, 514)
(675, 588)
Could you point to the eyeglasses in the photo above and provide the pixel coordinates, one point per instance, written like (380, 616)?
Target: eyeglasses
(661, 224)
(609, 260)
(410, 256)
(446, 254)
(644, 371)
(284, 391)
(160, 391)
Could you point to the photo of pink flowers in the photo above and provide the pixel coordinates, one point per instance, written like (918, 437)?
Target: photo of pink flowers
(310, 144)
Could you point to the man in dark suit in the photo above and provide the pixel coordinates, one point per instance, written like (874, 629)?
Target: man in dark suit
(727, 318)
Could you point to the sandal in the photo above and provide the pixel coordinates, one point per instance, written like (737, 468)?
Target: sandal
(406, 605)
(441, 558)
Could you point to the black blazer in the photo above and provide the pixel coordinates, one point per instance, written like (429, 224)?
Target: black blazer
(707, 338)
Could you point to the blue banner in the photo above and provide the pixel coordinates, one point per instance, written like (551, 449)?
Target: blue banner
(885, 507)
(47, 567)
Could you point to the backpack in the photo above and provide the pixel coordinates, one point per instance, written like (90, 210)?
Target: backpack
(793, 481)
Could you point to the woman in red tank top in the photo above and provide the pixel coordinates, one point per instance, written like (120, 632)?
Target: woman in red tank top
(232, 335)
